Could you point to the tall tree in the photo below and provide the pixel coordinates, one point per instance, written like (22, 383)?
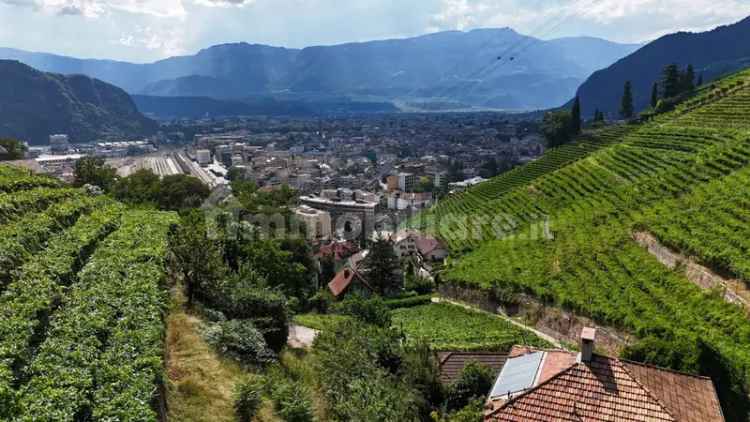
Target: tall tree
(655, 95)
(575, 117)
(700, 80)
(626, 108)
(556, 128)
(10, 149)
(382, 267)
(93, 171)
(688, 79)
(671, 81)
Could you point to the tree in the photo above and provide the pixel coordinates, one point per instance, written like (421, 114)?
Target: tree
(556, 127)
(489, 169)
(10, 149)
(655, 95)
(688, 80)
(141, 187)
(598, 116)
(382, 267)
(475, 381)
(93, 171)
(671, 81)
(575, 117)
(179, 191)
(700, 80)
(197, 258)
(626, 108)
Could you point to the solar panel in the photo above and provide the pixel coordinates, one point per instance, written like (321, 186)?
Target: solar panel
(518, 374)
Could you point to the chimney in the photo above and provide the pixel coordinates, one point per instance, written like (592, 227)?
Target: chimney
(588, 336)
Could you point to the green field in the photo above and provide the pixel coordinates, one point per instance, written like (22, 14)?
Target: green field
(683, 177)
(82, 299)
(451, 327)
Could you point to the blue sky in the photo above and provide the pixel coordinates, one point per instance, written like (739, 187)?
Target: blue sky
(147, 30)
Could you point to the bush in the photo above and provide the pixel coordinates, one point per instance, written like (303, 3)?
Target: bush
(371, 311)
(241, 340)
(322, 301)
(475, 382)
(419, 284)
(291, 400)
(408, 302)
(248, 398)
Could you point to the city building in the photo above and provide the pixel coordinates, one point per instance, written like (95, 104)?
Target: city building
(407, 182)
(317, 223)
(203, 156)
(59, 144)
(351, 219)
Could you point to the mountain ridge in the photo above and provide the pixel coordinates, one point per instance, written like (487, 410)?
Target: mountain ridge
(36, 104)
(461, 64)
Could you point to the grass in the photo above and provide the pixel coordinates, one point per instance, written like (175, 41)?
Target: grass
(319, 322)
(450, 327)
(200, 383)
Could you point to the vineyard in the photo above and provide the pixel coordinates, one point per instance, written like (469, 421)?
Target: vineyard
(683, 177)
(82, 300)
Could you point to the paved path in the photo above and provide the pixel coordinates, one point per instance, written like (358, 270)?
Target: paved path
(301, 337)
(553, 341)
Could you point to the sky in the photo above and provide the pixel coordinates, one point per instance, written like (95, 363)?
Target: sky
(148, 30)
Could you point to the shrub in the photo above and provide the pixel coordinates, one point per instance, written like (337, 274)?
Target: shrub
(248, 398)
(475, 382)
(408, 302)
(419, 284)
(292, 401)
(241, 340)
(371, 311)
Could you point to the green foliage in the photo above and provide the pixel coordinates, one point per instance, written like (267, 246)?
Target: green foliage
(450, 327)
(627, 109)
(671, 81)
(475, 382)
(408, 302)
(291, 400)
(654, 95)
(356, 367)
(575, 117)
(370, 311)
(557, 128)
(11, 149)
(417, 283)
(321, 322)
(248, 398)
(93, 171)
(382, 268)
(287, 265)
(261, 201)
(472, 412)
(240, 340)
(175, 192)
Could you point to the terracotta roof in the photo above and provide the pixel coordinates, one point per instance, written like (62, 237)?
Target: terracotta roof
(343, 280)
(339, 250)
(426, 244)
(453, 363)
(609, 389)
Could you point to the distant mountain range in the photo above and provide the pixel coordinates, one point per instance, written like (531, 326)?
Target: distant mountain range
(487, 68)
(35, 104)
(714, 53)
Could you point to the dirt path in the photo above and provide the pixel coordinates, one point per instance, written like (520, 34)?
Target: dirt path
(301, 337)
(200, 384)
(538, 333)
(734, 290)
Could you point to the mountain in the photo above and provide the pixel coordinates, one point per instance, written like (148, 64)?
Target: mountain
(713, 53)
(35, 104)
(496, 68)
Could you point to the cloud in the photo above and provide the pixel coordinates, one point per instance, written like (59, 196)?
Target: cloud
(97, 8)
(224, 3)
(167, 41)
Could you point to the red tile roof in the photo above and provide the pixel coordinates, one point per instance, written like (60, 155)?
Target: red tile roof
(343, 280)
(339, 250)
(609, 389)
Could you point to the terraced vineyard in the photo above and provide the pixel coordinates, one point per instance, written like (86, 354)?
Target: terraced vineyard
(81, 304)
(682, 176)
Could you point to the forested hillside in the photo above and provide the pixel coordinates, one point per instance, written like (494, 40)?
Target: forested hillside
(82, 301)
(561, 229)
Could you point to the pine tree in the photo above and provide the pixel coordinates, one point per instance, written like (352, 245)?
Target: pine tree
(700, 80)
(671, 81)
(575, 121)
(382, 267)
(598, 116)
(688, 79)
(626, 108)
(655, 95)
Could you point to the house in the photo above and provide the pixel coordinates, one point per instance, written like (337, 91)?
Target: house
(556, 385)
(431, 249)
(340, 251)
(410, 244)
(350, 280)
(452, 364)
